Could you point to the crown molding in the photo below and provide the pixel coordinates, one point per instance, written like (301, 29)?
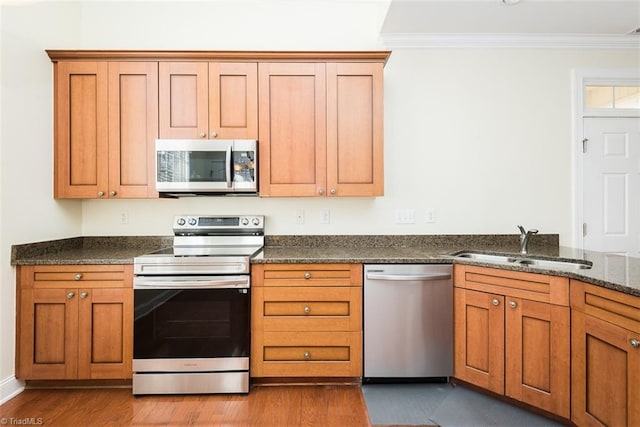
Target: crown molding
(534, 41)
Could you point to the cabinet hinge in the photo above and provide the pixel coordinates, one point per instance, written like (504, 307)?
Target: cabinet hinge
(584, 229)
(584, 145)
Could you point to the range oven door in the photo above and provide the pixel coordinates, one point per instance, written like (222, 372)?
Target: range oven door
(191, 334)
(181, 324)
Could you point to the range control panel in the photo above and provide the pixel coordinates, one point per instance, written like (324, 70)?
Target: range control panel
(195, 224)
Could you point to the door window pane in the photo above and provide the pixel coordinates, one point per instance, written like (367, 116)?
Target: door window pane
(627, 97)
(612, 97)
(599, 97)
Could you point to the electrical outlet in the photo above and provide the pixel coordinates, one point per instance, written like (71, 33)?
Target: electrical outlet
(405, 216)
(430, 215)
(325, 216)
(299, 216)
(124, 217)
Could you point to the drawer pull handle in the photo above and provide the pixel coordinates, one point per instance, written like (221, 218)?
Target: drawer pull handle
(495, 302)
(634, 343)
(307, 309)
(70, 295)
(307, 275)
(83, 295)
(307, 355)
(513, 304)
(78, 276)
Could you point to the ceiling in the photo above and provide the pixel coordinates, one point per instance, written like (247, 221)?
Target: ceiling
(526, 17)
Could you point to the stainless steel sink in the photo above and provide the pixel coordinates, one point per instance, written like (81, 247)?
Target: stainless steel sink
(544, 263)
(486, 257)
(529, 261)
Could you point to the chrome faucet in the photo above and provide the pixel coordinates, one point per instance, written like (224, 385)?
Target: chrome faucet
(525, 236)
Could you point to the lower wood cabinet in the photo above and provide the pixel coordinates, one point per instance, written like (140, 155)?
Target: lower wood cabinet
(605, 362)
(74, 322)
(512, 334)
(306, 320)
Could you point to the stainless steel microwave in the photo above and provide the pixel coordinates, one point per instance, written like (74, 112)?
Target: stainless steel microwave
(200, 167)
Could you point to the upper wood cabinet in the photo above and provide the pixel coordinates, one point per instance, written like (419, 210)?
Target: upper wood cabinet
(200, 100)
(317, 116)
(106, 123)
(321, 129)
(292, 129)
(355, 149)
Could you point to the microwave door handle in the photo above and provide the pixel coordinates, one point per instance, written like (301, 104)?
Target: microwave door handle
(229, 166)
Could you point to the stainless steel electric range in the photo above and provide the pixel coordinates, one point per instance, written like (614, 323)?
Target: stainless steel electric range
(192, 305)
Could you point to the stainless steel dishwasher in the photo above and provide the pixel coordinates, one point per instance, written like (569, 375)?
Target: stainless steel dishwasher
(408, 322)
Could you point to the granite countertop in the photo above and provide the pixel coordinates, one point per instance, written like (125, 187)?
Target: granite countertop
(616, 272)
(87, 250)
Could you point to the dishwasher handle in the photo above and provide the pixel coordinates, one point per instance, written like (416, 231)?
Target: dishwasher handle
(416, 277)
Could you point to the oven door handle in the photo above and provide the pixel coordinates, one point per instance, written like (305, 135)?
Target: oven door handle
(190, 283)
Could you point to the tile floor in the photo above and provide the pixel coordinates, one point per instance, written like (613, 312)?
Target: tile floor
(443, 405)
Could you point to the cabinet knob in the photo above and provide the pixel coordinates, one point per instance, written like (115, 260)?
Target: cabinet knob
(634, 343)
(100, 193)
(307, 309)
(78, 276)
(83, 295)
(112, 193)
(203, 134)
(307, 275)
(332, 191)
(513, 304)
(321, 191)
(70, 295)
(214, 134)
(495, 302)
(307, 355)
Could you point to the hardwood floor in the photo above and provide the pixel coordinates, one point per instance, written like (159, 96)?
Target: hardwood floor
(328, 405)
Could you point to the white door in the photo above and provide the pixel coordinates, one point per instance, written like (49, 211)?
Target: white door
(611, 185)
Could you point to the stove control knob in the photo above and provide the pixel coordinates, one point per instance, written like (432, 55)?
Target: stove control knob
(180, 221)
(256, 221)
(192, 221)
(244, 221)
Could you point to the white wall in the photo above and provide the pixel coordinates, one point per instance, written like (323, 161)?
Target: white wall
(481, 135)
(28, 212)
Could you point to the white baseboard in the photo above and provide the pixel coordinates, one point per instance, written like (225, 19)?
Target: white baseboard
(10, 387)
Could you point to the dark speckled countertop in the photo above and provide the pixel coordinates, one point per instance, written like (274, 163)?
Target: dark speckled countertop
(611, 271)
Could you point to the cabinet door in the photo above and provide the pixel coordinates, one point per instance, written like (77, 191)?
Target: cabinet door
(184, 111)
(355, 129)
(537, 354)
(479, 339)
(605, 373)
(292, 129)
(233, 100)
(48, 337)
(81, 130)
(105, 336)
(133, 128)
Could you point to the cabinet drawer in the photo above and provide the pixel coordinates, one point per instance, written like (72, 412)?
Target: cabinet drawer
(306, 275)
(306, 353)
(309, 354)
(615, 307)
(532, 286)
(307, 309)
(76, 276)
